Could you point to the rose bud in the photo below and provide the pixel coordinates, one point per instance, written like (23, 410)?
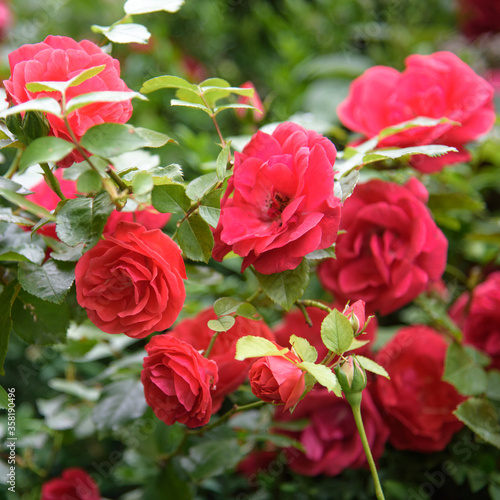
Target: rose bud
(351, 375)
(276, 379)
(356, 316)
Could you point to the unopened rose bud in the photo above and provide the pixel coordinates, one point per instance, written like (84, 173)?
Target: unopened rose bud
(356, 316)
(35, 125)
(351, 375)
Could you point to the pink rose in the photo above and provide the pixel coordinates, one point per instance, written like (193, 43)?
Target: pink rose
(436, 86)
(59, 58)
(479, 317)
(392, 249)
(74, 484)
(417, 405)
(252, 101)
(232, 373)
(331, 440)
(276, 379)
(279, 205)
(6, 19)
(132, 282)
(178, 381)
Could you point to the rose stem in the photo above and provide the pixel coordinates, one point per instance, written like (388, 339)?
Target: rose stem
(14, 165)
(355, 401)
(52, 181)
(302, 308)
(211, 344)
(314, 303)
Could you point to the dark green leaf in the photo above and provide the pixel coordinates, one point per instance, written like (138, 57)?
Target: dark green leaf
(50, 282)
(493, 390)
(210, 207)
(28, 205)
(171, 480)
(247, 311)
(88, 182)
(202, 185)
(196, 239)
(82, 220)
(4, 398)
(463, 370)
(336, 332)
(480, 416)
(17, 245)
(286, 287)
(221, 163)
(170, 198)
(7, 298)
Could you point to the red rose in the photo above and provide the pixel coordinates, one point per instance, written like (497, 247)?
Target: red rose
(74, 484)
(45, 197)
(392, 249)
(279, 205)
(331, 440)
(131, 282)
(418, 405)
(177, 381)
(436, 86)
(479, 17)
(59, 58)
(294, 323)
(232, 373)
(276, 379)
(254, 101)
(479, 317)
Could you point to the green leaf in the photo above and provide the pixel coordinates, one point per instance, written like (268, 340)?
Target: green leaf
(383, 154)
(28, 205)
(166, 82)
(336, 332)
(89, 182)
(74, 388)
(104, 96)
(124, 33)
(146, 6)
(218, 109)
(286, 287)
(121, 402)
(50, 282)
(45, 104)
(493, 390)
(82, 220)
(371, 366)
(113, 139)
(4, 398)
(7, 298)
(39, 322)
(45, 149)
(463, 370)
(170, 198)
(247, 311)
(480, 416)
(85, 75)
(177, 102)
(221, 163)
(344, 186)
(154, 139)
(304, 349)
(168, 479)
(326, 253)
(142, 183)
(195, 238)
(256, 347)
(419, 121)
(226, 305)
(324, 376)
(222, 324)
(66, 253)
(210, 207)
(17, 245)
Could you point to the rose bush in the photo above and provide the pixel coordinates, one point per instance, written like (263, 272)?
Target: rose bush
(74, 484)
(279, 204)
(178, 381)
(59, 58)
(478, 315)
(277, 380)
(392, 249)
(232, 373)
(330, 439)
(439, 85)
(416, 403)
(132, 282)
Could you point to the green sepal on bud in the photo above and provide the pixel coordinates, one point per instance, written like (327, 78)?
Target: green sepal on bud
(31, 126)
(351, 375)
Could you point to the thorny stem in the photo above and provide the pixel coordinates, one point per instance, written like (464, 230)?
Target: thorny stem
(52, 181)
(302, 307)
(356, 411)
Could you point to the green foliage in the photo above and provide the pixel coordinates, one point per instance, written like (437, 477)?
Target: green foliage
(195, 238)
(336, 332)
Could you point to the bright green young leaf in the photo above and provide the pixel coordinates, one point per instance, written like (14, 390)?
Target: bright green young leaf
(324, 376)
(202, 185)
(124, 33)
(88, 182)
(170, 198)
(371, 366)
(4, 398)
(419, 121)
(38, 321)
(256, 347)
(226, 305)
(481, 417)
(7, 298)
(286, 287)
(463, 370)
(336, 332)
(85, 75)
(142, 183)
(45, 149)
(177, 102)
(383, 154)
(356, 344)
(28, 205)
(50, 282)
(222, 324)
(218, 109)
(221, 164)
(247, 311)
(166, 82)
(82, 220)
(45, 104)
(304, 349)
(146, 6)
(104, 96)
(195, 238)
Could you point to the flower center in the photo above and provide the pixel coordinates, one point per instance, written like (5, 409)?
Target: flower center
(277, 204)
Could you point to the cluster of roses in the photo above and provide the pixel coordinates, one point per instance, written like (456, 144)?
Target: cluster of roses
(279, 207)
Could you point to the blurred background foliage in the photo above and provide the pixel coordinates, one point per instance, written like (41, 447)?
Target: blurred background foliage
(301, 55)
